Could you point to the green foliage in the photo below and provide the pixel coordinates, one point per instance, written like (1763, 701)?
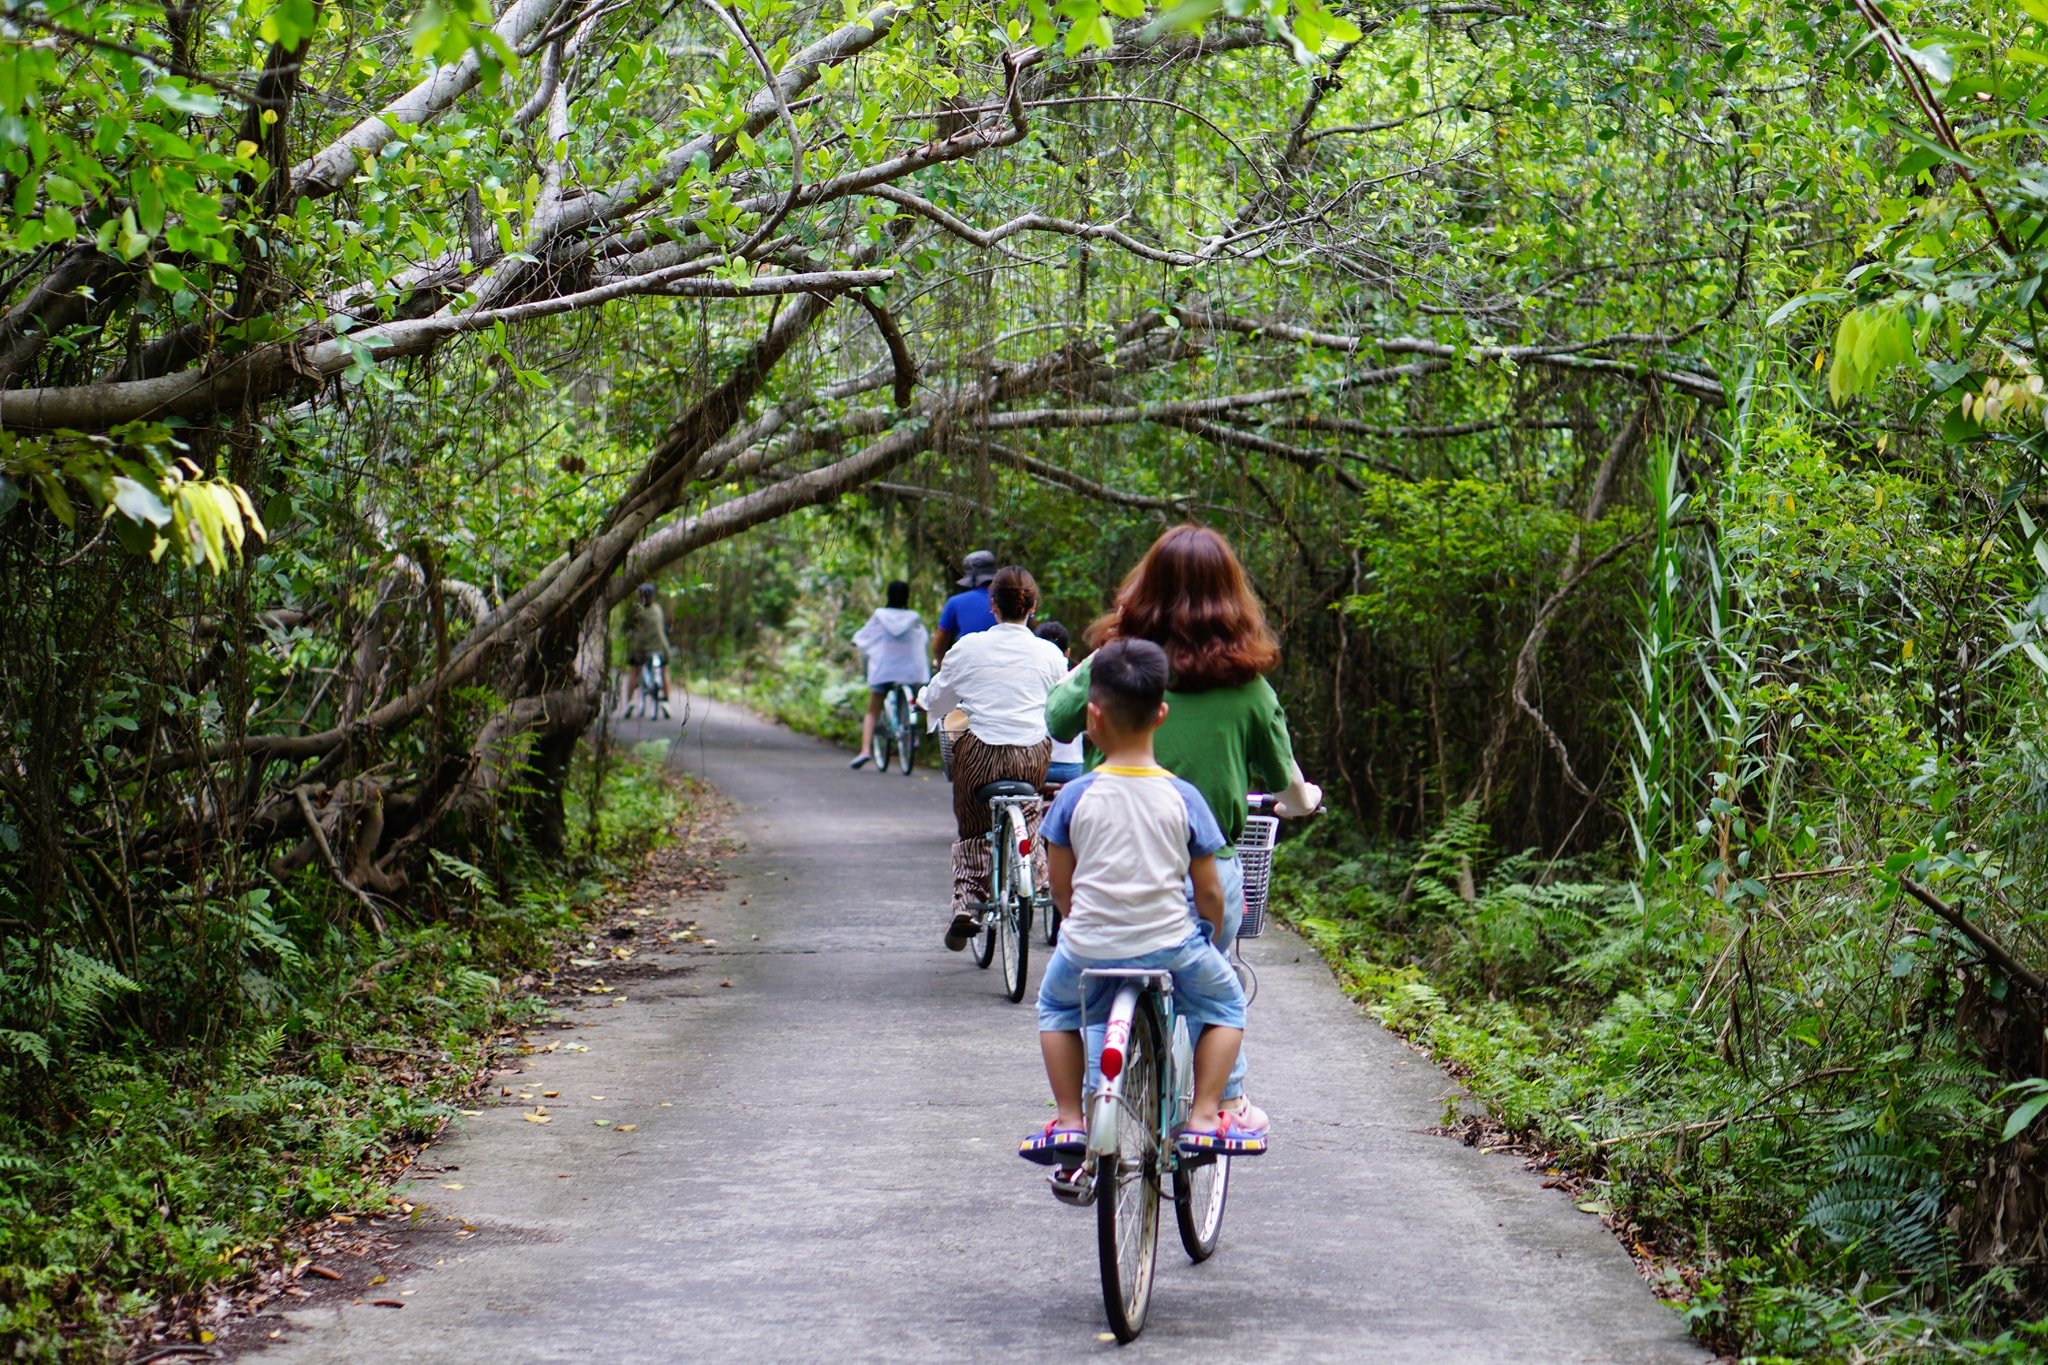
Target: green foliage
(131, 1172)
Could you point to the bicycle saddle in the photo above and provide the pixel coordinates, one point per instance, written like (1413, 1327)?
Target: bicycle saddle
(989, 791)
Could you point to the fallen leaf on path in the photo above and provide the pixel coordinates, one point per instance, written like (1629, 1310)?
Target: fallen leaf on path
(726, 983)
(535, 1118)
(323, 1272)
(551, 1094)
(378, 1279)
(386, 1303)
(628, 1127)
(452, 1185)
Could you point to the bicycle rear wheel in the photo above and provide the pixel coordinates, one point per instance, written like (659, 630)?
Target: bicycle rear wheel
(878, 747)
(906, 729)
(1049, 917)
(1016, 936)
(1199, 1193)
(1127, 1186)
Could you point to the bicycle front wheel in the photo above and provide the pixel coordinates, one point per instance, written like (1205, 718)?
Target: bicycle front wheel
(1016, 944)
(1127, 1187)
(1199, 1193)
(906, 746)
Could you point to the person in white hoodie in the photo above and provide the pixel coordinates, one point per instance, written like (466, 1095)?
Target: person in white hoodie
(894, 641)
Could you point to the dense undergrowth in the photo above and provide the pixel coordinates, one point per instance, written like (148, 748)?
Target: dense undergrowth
(814, 688)
(134, 1176)
(1788, 1122)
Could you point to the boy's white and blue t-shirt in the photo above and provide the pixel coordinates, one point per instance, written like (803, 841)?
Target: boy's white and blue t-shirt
(1133, 832)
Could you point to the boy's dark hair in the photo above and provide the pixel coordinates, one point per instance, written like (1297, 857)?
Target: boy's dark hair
(1127, 679)
(1055, 632)
(1013, 593)
(899, 594)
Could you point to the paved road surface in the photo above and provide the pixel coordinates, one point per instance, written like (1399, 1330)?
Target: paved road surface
(835, 1179)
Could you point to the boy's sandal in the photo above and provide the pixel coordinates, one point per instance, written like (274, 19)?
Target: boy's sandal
(1231, 1137)
(1054, 1145)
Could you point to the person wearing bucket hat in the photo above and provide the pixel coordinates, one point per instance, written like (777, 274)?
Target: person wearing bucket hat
(966, 612)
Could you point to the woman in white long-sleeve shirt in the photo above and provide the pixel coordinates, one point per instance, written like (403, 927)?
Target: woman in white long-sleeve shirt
(894, 642)
(1000, 678)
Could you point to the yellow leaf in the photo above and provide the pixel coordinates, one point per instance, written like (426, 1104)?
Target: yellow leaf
(1906, 650)
(628, 1127)
(245, 150)
(452, 1185)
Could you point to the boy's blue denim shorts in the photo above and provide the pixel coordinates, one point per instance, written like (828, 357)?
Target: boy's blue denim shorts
(1205, 988)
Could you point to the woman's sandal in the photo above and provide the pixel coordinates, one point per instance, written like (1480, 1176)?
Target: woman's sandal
(1231, 1137)
(1054, 1145)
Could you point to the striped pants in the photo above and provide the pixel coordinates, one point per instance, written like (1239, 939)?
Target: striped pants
(975, 765)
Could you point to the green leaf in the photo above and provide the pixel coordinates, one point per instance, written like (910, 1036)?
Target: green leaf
(138, 503)
(173, 93)
(2023, 1116)
(290, 23)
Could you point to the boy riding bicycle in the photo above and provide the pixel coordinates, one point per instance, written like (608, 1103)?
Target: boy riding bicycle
(1122, 842)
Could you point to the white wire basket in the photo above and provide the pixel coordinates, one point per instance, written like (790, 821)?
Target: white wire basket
(1255, 855)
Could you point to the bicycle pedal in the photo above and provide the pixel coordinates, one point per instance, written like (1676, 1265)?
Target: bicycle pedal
(1077, 1189)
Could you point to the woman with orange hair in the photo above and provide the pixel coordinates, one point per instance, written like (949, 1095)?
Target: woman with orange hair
(1225, 732)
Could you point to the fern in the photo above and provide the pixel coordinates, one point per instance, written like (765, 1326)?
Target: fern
(21, 1042)
(1882, 1208)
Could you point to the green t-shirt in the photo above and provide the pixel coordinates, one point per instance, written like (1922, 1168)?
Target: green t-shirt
(1227, 741)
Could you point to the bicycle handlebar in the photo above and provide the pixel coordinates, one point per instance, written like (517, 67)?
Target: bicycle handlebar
(1265, 803)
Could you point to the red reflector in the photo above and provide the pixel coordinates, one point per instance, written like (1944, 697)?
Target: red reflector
(1024, 848)
(1112, 1063)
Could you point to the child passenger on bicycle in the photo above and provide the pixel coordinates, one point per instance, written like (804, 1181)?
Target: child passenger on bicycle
(1122, 842)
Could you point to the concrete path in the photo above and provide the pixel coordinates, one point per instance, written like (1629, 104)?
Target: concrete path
(835, 1177)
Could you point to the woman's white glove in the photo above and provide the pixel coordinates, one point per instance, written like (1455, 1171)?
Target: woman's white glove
(1301, 798)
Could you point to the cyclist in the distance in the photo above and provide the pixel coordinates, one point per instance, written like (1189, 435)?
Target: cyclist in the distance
(893, 641)
(998, 679)
(646, 636)
(966, 612)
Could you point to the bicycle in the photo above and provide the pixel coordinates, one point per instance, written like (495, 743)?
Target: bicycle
(1146, 1071)
(1006, 915)
(897, 728)
(1147, 1087)
(654, 687)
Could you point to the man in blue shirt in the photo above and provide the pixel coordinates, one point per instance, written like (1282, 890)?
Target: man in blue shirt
(966, 613)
